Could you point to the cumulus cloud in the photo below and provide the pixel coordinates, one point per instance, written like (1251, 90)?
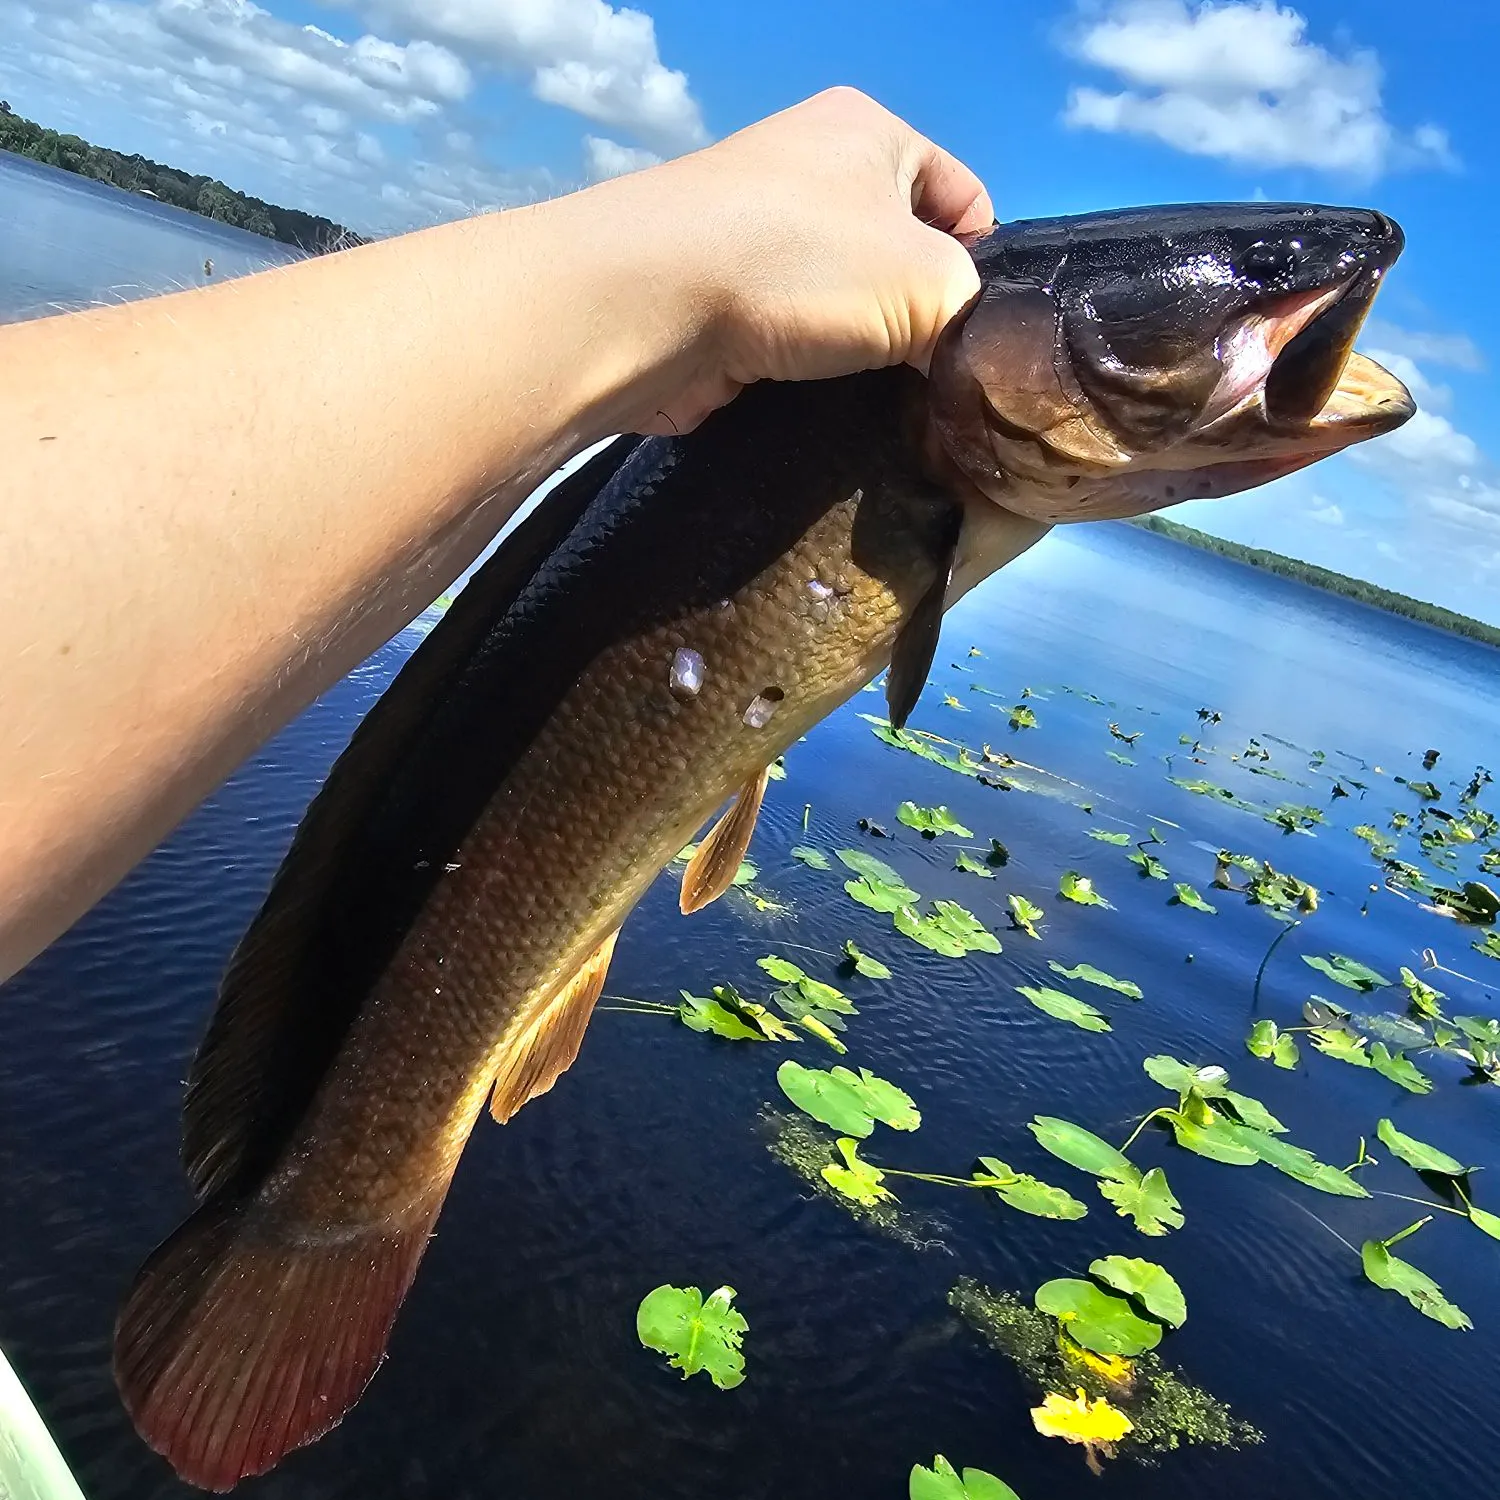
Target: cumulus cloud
(605, 158)
(1241, 81)
(584, 55)
(374, 128)
(1456, 351)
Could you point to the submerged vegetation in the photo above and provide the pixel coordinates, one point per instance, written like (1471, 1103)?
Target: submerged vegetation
(1325, 578)
(1091, 1340)
(192, 191)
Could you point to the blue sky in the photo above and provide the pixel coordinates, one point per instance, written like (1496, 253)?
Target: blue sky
(392, 113)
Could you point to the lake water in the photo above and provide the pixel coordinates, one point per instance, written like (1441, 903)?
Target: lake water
(515, 1370)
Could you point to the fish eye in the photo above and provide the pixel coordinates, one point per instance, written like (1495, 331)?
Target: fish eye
(1272, 261)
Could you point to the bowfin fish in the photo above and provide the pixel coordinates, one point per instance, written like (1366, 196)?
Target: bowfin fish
(666, 623)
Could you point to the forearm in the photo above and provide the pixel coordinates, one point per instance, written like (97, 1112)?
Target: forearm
(308, 457)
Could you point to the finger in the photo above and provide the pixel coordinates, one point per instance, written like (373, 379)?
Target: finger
(944, 192)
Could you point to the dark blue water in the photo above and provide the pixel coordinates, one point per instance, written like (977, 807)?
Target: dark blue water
(515, 1371)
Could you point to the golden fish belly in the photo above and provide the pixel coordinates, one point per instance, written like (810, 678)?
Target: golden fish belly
(615, 783)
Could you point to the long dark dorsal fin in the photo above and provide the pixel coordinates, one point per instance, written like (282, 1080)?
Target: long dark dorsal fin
(916, 645)
(712, 868)
(549, 1045)
(276, 1029)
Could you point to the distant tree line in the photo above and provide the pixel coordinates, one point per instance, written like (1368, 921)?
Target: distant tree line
(200, 195)
(1326, 578)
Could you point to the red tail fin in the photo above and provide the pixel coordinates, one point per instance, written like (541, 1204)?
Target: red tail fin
(238, 1344)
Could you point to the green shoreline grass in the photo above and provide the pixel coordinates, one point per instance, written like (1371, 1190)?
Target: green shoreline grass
(1326, 579)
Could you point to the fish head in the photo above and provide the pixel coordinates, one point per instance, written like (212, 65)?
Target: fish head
(1115, 363)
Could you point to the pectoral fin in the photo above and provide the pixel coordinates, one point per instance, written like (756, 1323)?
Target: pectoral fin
(712, 869)
(911, 657)
(548, 1046)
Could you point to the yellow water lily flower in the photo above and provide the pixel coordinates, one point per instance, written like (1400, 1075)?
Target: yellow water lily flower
(1095, 1424)
(1114, 1368)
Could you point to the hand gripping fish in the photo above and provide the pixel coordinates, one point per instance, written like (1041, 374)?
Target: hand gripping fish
(670, 619)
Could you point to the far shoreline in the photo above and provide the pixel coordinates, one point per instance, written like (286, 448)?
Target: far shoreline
(1451, 622)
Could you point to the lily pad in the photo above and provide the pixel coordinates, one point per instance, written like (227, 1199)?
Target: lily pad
(1022, 717)
(942, 1482)
(1417, 1153)
(1105, 836)
(1187, 896)
(1347, 972)
(814, 991)
(1090, 975)
(1076, 887)
(1267, 1042)
(1124, 760)
(871, 968)
(1210, 1080)
(1215, 1138)
(1399, 1069)
(850, 1103)
(695, 1334)
(970, 866)
(1397, 1275)
(1147, 1200)
(1082, 1149)
(931, 821)
(1028, 1194)
(950, 930)
(1150, 865)
(814, 858)
(1025, 914)
(880, 895)
(1146, 1281)
(1334, 1041)
(1099, 1320)
(856, 1179)
(1489, 946)
(1064, 1007)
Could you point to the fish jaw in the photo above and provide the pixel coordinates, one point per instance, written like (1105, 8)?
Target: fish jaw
(1119, 363)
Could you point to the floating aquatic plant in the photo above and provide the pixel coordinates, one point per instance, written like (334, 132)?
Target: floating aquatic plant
(695, 1333)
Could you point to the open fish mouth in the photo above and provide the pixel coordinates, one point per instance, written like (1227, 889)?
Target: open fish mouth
(1154, 356)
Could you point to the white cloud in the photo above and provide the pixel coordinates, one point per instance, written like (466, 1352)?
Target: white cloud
(375, 129)
(288, 113)
(1456, 350)
(1326, 512)
(605, 158)
(1241, 81)
(583, 55)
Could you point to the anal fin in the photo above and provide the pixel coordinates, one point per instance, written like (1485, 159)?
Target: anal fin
(716, 862)
(549, 1045)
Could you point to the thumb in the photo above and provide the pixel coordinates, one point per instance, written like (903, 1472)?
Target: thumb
(944, 283)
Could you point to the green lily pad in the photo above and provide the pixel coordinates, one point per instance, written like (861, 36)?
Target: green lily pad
(1417, 1153)
(1079, 888)
(695, 1334)
(850, 1103)
(1106, 837)
(1146, 1281)
(814, 858)
(1399, 1069)
(1124, 760)
(1022, 717)
(813, 991)
(1268, 1043)
(1099, 1320)
(1481, 1219)
(1489, 946)
(879, 896)
(1187, 896)
(701, 1014)
(1347, 972)
(1028, 1194)
(1299, 1164)
(1397, 1275)
(948, 930)
(1150, 865)
(871, 968)
(1065, 1007)
(856, 1179)
(1082, 1149)
(942, 1482)
(1209, 789)
(1147, 1200)
(1025, 914)
(970, 866)
(1334, 1041)
(1090, 975)
(1210, 1080)
(1215, 1138)
(931, 821)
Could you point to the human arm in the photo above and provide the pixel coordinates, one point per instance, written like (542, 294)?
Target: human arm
(214, 504)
